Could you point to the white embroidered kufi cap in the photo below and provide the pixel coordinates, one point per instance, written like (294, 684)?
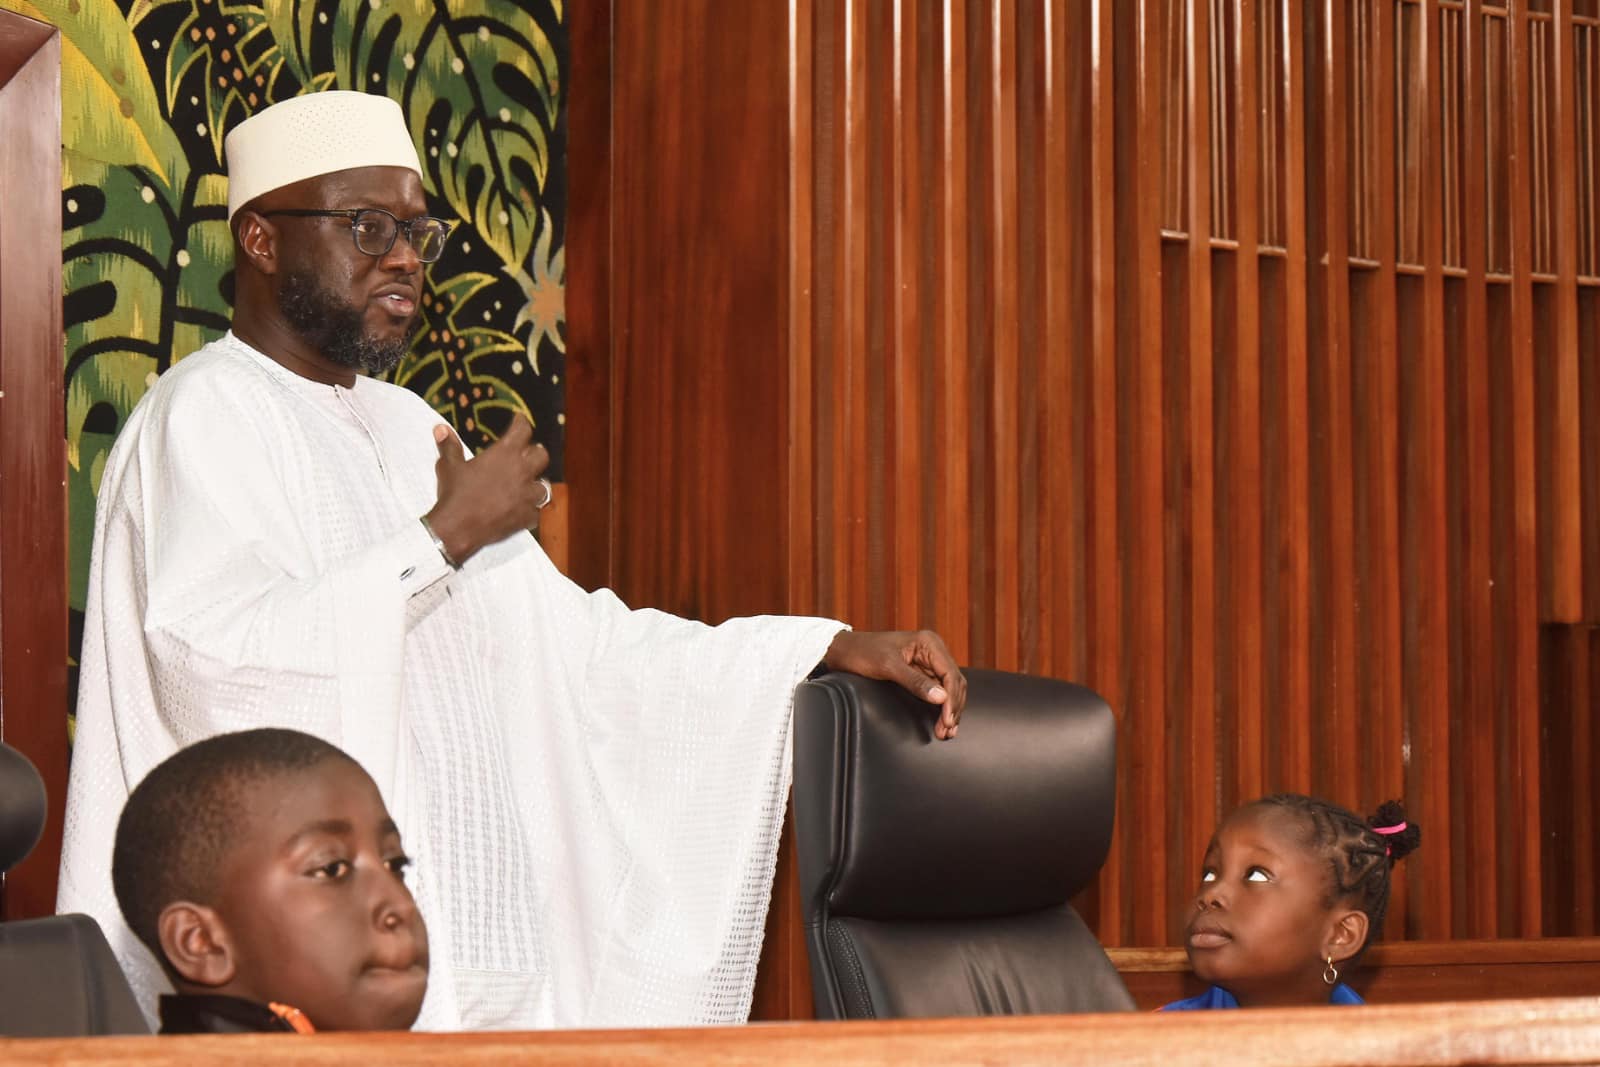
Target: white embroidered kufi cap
(318, 133)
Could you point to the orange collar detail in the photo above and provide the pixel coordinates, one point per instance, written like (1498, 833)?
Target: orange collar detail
(294, 1017)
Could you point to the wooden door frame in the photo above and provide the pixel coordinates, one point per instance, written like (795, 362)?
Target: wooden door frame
(33, 453)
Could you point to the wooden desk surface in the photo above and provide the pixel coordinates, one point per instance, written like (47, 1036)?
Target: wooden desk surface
(1556, 1031)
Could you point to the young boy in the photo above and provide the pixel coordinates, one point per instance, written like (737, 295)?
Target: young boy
(263, 871)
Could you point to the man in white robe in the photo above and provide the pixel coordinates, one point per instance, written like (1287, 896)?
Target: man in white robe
(593, 795)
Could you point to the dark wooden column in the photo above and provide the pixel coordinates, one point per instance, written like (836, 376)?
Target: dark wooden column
(33, 460)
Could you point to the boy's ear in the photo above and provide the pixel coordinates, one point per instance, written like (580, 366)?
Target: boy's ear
(1347, 932)
(196, 943)
(258, 241)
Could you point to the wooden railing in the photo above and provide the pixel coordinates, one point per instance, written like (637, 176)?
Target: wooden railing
(1496, 1032)
(1409, 972)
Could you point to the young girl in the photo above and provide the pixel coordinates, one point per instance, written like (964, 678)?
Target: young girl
(1291, 891)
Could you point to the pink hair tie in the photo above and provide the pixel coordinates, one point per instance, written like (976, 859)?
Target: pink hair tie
(1386, 831)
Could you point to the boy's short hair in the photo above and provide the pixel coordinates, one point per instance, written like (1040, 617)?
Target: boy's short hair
(182, 819)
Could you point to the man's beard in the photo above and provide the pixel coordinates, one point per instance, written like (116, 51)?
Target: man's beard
(337, 329)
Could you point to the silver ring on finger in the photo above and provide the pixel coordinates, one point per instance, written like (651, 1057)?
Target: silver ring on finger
(549, 494)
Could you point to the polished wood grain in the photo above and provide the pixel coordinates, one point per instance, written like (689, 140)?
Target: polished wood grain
(1553, 1031)
(1287, 434)
(1103, 561)
(1422, 711)
(1235, 357)
(589, 428)
(1562, 558)
(1517, 777)
(1559, 1031)
(1238, 348)
(1143, 766)
(698, 196)
(1471, 561)
(1407, 972)
(33, 459)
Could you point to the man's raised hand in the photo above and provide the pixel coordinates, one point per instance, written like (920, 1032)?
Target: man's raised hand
(491, 496)
(916, 659)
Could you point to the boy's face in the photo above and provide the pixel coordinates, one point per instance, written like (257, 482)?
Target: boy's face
(316, 910)
(1260, 920)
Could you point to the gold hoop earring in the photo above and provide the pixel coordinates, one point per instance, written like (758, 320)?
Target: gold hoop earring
(1330, 973)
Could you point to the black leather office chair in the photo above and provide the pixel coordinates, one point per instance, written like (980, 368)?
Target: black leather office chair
(935, 875)
(58, 977)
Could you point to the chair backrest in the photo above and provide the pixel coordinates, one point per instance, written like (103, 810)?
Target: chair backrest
(935, 876)
(58, 976)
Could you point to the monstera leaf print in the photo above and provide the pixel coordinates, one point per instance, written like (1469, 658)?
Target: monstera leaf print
(225, 55)
(478, 83)
(110, 110)
(465, 364)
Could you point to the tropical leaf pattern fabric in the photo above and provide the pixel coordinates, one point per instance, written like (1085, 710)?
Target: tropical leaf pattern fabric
(149, 90)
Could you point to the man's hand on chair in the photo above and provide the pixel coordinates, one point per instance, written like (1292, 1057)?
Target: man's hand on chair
(916, 659)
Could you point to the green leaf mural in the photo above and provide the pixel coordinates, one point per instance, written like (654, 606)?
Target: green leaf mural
(467, 348)
(231, 50)
(149, 90)
(477, 82)
(112, 113)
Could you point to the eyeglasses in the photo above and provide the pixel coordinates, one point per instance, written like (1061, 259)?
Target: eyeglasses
(374, 230)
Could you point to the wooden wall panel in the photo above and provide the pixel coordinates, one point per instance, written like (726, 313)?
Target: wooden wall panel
(33, 501)
(1236, 357)
(687, 497)
(1517, 732)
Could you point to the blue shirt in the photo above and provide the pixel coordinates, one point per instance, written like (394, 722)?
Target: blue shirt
(1217, 997)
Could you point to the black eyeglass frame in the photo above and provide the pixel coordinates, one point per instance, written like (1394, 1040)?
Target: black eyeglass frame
(354, 215)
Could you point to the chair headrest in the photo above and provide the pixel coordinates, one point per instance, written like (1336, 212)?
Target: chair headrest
(1013, 815)
(21, 807)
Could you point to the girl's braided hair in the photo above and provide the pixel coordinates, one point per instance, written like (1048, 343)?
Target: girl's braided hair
(1359, 858)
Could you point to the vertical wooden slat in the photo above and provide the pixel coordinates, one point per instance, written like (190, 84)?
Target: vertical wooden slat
(1294, 540)
(851, 385)
(1474, 912)
(1240, 595)
(1358, 124)
(1376, 371)
(953, 538)
(1039, 462)
(1141, 413)
(1335, 706)
(1588, 195)
(1063, 506)
(1561, 563)
(1588, 162)
(33, 518)
(1450, 130)
(1195, 480)
(978, 219)
(802, 516)
(1583, 786)
(1521, 547)
(907, 485)
(1174, 124)
(1566, 675)
(589, 432)
(820, 133)
(1106, 563)
(878, 326)
(1004, 398)
(1427, 521)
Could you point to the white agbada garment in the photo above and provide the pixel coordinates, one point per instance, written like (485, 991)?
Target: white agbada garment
(593, 795)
